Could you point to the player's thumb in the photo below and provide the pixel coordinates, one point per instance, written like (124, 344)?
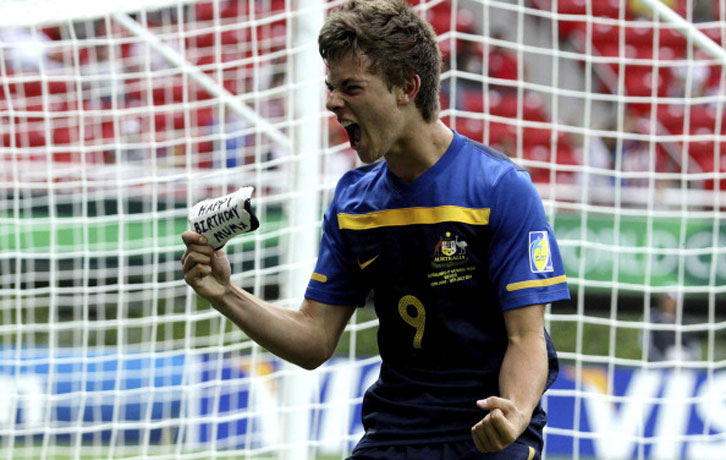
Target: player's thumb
(190, 237)
(494, 402)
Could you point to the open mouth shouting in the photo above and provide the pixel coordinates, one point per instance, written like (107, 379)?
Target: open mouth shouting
(354, 132)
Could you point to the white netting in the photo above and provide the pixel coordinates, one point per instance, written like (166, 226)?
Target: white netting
(115, 119)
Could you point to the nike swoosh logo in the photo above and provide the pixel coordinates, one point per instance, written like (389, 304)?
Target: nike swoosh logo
(367, 262)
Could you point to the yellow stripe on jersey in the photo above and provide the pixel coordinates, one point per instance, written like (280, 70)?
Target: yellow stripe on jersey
(531, 453)
(413, 216)
(536, 283)
(319, 277)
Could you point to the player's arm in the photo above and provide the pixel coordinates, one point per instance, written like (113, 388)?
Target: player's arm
(306, 337)
(522, 380)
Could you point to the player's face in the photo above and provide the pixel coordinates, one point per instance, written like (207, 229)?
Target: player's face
(365, 107)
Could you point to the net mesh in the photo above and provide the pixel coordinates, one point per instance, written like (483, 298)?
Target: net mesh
(113, 126)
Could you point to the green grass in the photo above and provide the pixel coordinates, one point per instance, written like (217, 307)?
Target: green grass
(131, 232)
(597, 339)
(623, 341)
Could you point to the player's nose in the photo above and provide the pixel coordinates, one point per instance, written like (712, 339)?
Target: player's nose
(334, 101)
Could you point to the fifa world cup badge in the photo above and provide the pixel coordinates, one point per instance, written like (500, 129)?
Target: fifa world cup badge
(540, 256)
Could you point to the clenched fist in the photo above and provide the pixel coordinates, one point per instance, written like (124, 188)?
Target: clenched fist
(207, 271)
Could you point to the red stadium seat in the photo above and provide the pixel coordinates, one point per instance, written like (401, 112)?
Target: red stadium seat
(205, 40)
(472, 101)
(672, 37)
(638, 35)
(272, 37)
(503, 104)
(571, 7)
(613, 53)
(275, 6)
(600, 8)
(533, 108)
(639, 82)
(499, 132)
(665, 52)
(162, 121)
(536, 136)
(227, 37)
(609, 9)
(539, 153)
(163, 95)
(563, 155)
(63, 135)
(204, 11)
(445, 48)
(704, 158)
(65, 157)
(52, 32)
(25, 138)
(35, 88)
(507, 104)
(203, 116)
(440, 17)
(235, 8)
(604, 33)
(503, 65)
(443, 100)
(714, 33)
(567, 28)
(672, 117)
(471, 128)
(701, 118)
(108, 129)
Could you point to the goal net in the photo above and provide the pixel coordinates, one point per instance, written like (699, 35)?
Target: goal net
(117, 116)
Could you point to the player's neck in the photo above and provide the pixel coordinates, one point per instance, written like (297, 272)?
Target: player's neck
(419, 150)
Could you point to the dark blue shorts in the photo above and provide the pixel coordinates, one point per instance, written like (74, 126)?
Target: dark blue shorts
(462, 450)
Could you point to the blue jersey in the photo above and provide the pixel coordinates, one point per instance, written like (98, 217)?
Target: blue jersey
(443, 257)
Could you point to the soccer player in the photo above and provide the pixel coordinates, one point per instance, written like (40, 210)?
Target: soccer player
(449, 236)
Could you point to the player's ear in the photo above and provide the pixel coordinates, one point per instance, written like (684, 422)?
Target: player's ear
(406, 93)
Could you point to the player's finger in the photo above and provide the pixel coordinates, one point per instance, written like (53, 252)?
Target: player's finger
(206, 250)
(477, 437)
(482, 432)
(190, 237)
(195, 258)
(502, 428)
(196, 273)
(492, 436)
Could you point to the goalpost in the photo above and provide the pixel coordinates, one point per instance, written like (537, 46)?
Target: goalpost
(117, 116)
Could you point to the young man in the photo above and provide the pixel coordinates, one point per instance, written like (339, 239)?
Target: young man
(451, 238)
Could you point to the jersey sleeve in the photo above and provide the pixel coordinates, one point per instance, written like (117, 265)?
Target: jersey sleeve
(526, 266)
(337, 279)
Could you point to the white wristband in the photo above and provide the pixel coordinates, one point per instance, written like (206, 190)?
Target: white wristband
(220, 219)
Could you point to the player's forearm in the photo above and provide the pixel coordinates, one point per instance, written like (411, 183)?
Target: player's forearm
(289, 334)
(524, 370)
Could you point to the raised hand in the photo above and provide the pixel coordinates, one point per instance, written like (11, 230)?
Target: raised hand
(207, 271)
